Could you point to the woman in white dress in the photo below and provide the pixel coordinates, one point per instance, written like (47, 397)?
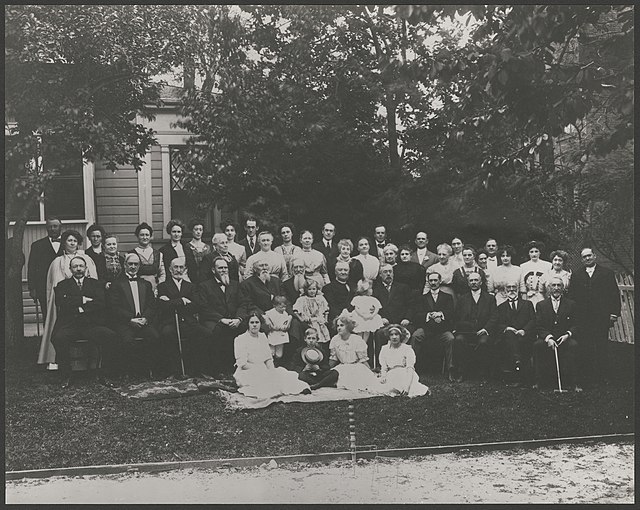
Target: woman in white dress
(445, 268)
(58, 271)
(397, 361)
(315, 264)
(370, 263)
(505, 273)
(256, 375)
(559, 260)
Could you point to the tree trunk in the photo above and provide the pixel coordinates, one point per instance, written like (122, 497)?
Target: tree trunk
(394, 159)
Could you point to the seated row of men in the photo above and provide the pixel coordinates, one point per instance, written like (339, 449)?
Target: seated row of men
(204, 319)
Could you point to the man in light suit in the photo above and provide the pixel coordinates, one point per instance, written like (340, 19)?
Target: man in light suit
(41, 254)
(597, 297)
(475, 327)
(421, 254)
(220, 313)
(81, 315)
(435, 314)
(133, 309)
(556, 322)
(250, 242)
(178, 299)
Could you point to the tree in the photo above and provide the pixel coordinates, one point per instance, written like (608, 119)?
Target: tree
(76, 79)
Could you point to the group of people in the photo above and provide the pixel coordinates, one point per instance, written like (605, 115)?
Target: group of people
(337, 314)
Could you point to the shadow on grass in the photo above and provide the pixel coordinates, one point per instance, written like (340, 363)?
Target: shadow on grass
(47, 427)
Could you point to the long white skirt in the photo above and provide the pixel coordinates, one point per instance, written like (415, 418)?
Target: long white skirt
(404, 380)
(357, 376)
(262, 382)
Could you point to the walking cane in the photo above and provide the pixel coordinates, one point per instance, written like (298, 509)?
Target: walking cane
(179, 343)
(559, 390)
(37, 316)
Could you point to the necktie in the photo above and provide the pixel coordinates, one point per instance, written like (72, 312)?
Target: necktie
(134, 279)
(513, 305)
(251, 244)
(328, 244)
(79, 283)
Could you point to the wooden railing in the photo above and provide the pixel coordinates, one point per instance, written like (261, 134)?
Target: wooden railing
(623, 329)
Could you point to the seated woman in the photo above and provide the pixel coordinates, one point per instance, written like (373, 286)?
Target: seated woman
(312, 365)
(256, 375)
(355, 266)
(397, 361)
(349, 358)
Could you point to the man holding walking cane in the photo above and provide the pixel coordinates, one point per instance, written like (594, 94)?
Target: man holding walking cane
(556, 322)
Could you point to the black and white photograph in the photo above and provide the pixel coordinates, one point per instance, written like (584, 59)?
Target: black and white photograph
(319, 254)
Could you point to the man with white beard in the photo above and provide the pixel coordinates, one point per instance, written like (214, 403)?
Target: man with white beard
(220, 313)
(257, 291)
(292, 288)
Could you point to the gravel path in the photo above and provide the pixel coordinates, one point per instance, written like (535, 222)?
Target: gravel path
(596, 473)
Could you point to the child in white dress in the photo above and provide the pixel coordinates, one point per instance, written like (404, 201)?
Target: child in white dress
(278, 322)
(348, 357)
(312, 309)
(365, 311)
(397, 361)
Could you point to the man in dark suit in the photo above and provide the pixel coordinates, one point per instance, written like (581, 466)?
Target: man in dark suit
(515, 329)
(41, 254)
(328, 246)
(257, 291)
(338, 293)
(475, 328)
(397, 304)
(380, 238)
(435, 314)
(597, 297)
(410, 273)
(81, 315)
(133, 309)
(177, 298)
(421, 254)
(250, 242)
(219, 299)
(556, 323)
(292, 288)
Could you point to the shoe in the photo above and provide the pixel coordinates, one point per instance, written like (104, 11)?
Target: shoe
(577, 389)
(66, 383)
(306, 391)
(52, 366)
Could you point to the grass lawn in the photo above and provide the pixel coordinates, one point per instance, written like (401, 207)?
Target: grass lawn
(89, 424)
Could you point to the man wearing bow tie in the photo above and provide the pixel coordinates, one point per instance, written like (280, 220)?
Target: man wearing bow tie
(491, 246)
(81, 315)
(516, 323)
(219, 299)
(556, 323)
(380, 236)
(177, 298)
(133, 307)
(41, 254)
(327, 245)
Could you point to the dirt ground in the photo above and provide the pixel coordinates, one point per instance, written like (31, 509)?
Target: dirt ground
(595, 473)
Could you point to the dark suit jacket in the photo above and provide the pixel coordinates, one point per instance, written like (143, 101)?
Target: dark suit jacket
(356, 270)
(550, 323)
(120, 301)
(247, 248)
(412, 274)
(397, 304)
(596, 297)
(426, 304)
(215, 304)
(256, 296)
(69, 300)
(472, 317)
(169, 253)
(338, 297)
(523, 318)
(40, 257)
(206, 267)
(290, 292)
(429, 258)
(167, 309)
(460, 284)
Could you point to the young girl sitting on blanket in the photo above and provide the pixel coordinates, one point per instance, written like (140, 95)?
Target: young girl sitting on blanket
(312, 309)
(349, 358)
(278, 322)
(397, 360)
